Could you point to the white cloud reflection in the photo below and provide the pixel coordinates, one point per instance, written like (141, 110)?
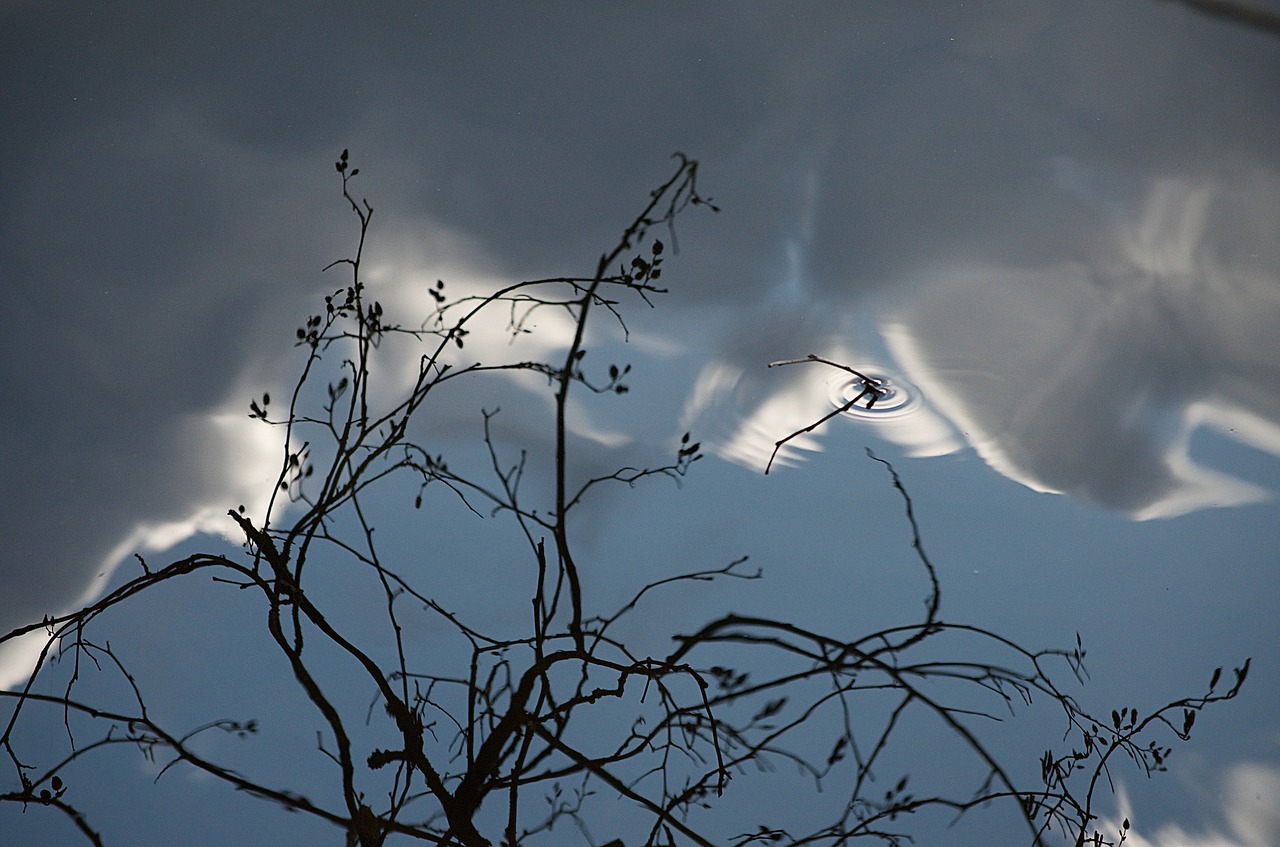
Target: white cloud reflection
(1087, 378)
(209, 462)
(238, 459)
(227, 457)
(1249, 797)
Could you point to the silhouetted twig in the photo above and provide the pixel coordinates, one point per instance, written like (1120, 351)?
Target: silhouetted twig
(475, 740)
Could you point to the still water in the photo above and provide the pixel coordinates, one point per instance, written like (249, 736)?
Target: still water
(1047, 231)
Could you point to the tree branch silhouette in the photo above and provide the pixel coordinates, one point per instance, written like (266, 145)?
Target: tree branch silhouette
(472, 741)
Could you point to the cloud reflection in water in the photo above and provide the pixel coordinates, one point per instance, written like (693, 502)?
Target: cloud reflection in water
(1086, 378)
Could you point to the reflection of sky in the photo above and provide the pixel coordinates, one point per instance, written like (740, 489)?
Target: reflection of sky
(1087, 378)
(1057, 222)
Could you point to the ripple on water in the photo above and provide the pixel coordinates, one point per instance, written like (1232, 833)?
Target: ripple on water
(898, 398)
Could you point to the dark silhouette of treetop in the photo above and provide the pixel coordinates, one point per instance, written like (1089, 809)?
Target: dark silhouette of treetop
(440, 725)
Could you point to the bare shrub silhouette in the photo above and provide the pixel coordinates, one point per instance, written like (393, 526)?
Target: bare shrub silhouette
(511, 736)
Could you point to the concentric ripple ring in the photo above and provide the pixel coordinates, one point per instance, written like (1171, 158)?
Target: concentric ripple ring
(897, 397)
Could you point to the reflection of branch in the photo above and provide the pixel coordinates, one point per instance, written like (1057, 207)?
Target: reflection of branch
(1239, 12)
(870, 387)
(531, 708)
(677, 192)
(664, 816)
(142, 730)
(935, 596)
